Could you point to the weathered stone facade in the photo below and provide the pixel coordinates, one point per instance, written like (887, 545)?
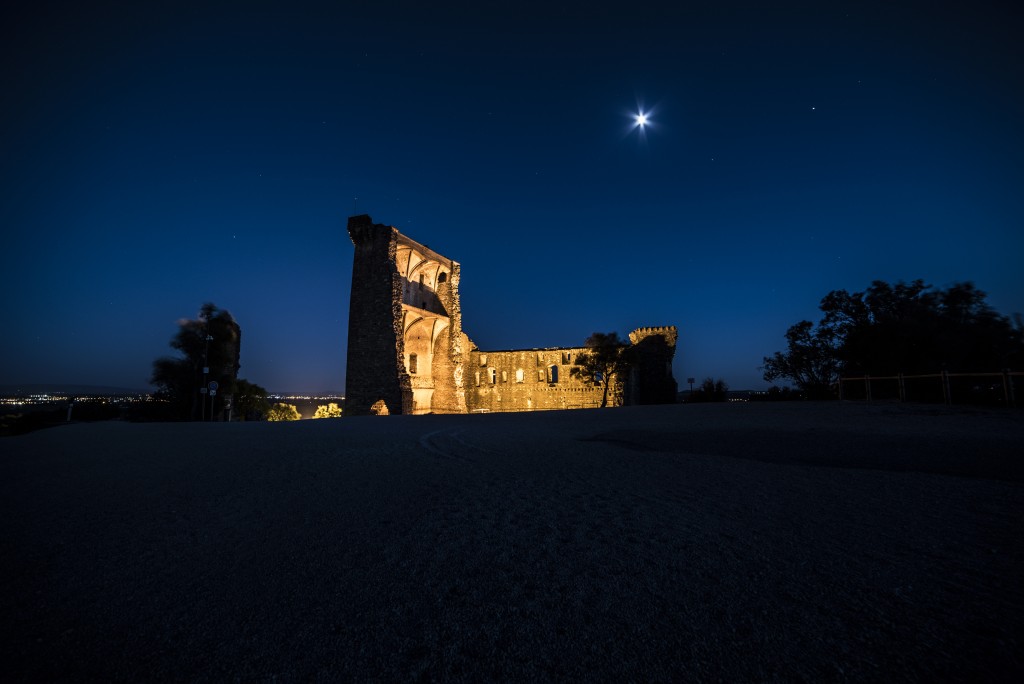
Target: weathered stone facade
(531, 380)
(407, 352)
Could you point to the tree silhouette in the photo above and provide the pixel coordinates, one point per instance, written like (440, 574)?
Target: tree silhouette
(606, 357)
(711, 390)
(909, 328)
(250, 401)
(811, 359)
(211, 341)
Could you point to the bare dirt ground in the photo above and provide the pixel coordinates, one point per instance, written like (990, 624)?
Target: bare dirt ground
(819, 542)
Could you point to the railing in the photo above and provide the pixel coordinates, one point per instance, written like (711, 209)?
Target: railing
(970, 388)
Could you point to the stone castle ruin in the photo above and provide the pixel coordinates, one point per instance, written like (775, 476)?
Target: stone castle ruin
(408, 354)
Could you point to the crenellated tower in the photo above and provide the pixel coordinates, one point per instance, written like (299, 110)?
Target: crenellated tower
(650, 379)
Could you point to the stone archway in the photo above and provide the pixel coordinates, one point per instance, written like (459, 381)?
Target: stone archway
(425, 358)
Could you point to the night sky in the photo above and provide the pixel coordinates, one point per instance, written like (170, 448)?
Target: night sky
(156, 156)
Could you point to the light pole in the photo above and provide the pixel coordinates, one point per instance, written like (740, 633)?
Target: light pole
(206, 371)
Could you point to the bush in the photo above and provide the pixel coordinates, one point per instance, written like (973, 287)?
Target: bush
(332, 410)
(282, 411)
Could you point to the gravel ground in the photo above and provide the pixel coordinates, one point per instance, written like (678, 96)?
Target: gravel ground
(736, 542)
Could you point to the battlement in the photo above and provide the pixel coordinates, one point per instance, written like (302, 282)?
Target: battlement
(669, 332)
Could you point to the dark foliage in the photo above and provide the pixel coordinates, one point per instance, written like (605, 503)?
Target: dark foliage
(157, 411)
(179, 379)
(909, 328)
(250, 401)
(606, 357)
(37, 418)
(710, 390)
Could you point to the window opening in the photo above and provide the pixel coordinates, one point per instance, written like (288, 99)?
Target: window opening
(412, 364)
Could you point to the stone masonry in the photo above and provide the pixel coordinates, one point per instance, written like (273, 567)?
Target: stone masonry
(407, 352)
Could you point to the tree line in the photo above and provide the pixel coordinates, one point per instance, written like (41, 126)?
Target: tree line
(910, 328)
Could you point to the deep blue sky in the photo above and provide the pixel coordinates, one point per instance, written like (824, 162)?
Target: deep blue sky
(159, 155)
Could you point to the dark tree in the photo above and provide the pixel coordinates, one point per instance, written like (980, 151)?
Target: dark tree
(606, 357)
(250, 401)
(212, 341)
(908, 328)
(810, 360)
(710, 390)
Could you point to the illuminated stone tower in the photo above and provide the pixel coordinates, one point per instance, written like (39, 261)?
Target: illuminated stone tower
(405, 340)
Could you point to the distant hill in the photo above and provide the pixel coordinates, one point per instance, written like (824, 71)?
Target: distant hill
(44, 388)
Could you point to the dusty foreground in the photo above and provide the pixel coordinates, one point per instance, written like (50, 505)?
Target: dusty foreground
(741, 542)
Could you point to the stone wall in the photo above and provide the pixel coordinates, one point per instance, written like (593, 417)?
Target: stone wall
(531, 380)
(374, 370)
(650, 378)
(407, 352)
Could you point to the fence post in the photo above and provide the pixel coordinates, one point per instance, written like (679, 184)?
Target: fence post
(867, 387)
(945, 388)
(903, 390)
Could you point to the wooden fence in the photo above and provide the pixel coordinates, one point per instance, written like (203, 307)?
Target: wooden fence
(972, 388)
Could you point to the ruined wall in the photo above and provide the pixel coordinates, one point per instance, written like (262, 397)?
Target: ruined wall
(449, 350)
(374, 370)
(405, 335)
(531, 380)
(407, 352)
(650, 379)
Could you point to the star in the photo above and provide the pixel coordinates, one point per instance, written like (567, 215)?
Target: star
(641, 119)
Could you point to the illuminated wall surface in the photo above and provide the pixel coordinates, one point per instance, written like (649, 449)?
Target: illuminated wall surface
(408, 352)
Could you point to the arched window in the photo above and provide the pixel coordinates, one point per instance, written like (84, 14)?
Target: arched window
(493, 373)
(553, 373)
(421, 281)
(504, 376)
(412, 364)
(442, 277)
(520, 376)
